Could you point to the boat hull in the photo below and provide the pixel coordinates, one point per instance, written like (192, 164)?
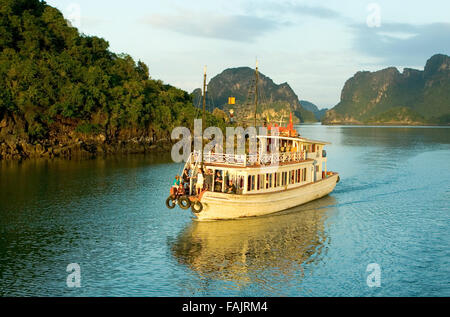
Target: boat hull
(218, 206)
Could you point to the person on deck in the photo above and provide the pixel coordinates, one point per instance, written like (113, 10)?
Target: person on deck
(175, 185)
(209, 179)
(186, 178)
(218, 182)
(231, 188)
(180, 190)
(200, 180)
(176, 181)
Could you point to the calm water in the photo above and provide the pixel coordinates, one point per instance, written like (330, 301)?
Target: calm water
(391, 208)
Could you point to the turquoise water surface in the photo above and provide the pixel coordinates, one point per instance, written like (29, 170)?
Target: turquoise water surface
(108, 215)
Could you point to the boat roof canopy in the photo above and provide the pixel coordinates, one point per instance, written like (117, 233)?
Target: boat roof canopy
(304, 140)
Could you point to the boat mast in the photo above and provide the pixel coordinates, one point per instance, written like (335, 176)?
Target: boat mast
(256, 92)
(203, 114)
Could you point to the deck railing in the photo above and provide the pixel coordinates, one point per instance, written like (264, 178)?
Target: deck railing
(252, 159)
(313, 155)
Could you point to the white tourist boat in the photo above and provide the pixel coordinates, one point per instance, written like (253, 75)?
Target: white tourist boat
(264, 183)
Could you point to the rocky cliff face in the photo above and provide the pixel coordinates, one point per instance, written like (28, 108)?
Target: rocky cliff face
(275, 101)
(390, 97)
(64, 141)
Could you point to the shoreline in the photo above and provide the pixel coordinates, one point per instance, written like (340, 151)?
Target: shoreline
(386, 124)
(81, 150)
(91, 148)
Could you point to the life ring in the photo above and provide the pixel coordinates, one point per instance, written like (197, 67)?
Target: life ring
(170, 202)
(184, 202)
(197, 207)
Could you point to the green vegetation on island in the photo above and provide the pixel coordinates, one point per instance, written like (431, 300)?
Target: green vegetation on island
(275, 102)
(63, 93)
(318, 113)
(387, 96)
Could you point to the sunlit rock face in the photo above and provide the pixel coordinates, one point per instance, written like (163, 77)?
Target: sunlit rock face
(273, 99)
(390, 97)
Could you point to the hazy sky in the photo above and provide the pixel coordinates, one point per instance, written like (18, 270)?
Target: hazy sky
(315, 46)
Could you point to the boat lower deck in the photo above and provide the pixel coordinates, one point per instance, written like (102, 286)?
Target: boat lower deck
(218, 206)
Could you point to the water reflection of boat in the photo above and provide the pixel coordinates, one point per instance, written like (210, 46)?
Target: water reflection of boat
(238, 250)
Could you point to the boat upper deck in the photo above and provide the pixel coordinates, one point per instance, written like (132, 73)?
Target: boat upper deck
(291, 150)
(256, 160)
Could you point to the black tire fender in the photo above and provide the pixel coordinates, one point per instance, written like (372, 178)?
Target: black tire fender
(170, 203)
(184, 203)
(197, 207)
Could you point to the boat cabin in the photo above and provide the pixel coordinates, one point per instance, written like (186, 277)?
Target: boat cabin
(298, 162)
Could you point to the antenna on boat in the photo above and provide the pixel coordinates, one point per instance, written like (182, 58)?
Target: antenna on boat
(204, 113)
(256, 91)
(282, 118)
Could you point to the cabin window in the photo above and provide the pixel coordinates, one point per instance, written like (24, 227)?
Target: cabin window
(304, 174)
(270, 179)
(267, 181)
(218, 180)
(259, 182)
(251, 183)
(292, 177)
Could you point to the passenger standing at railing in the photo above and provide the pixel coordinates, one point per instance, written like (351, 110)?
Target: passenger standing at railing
(200, 181)
(186, 178)
(209, 179)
